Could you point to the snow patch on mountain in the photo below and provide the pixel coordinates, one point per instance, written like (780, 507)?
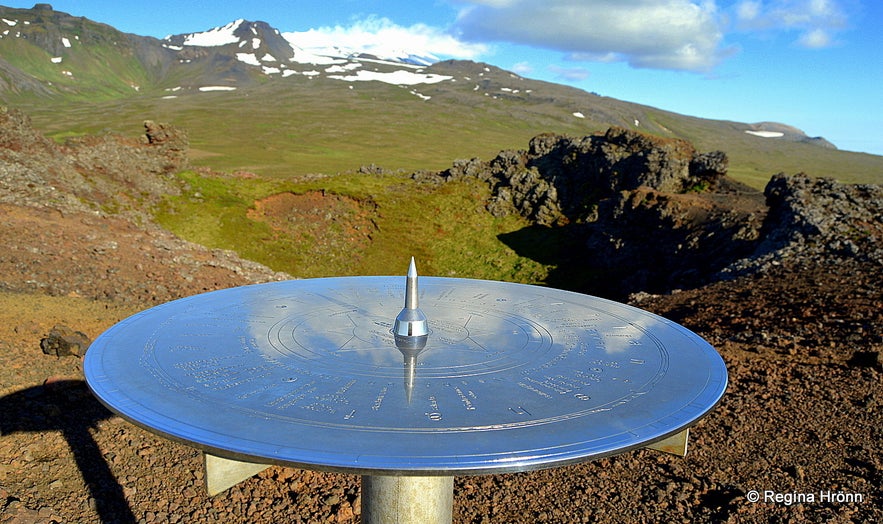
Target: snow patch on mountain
(343, 68)
(766, 134)
(248, 58)
(417, 94)
(408, 78)
(215, 37)
(306, 58)
(348, 45)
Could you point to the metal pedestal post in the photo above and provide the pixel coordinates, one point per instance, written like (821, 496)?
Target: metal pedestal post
(405, 500)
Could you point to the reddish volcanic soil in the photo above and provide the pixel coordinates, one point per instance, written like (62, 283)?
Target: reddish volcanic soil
(801, 425)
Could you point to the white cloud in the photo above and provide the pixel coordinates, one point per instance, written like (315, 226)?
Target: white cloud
(572, 74)
(815, 39)
(382, 37)
(522, 68)
(748, 10)
(815, 21)
(663, 34)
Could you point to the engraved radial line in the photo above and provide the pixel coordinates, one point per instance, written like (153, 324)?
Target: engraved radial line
(342, 346)
(477, 344)
(344, 303)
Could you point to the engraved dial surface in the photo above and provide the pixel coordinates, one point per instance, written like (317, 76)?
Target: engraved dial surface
(307, 373)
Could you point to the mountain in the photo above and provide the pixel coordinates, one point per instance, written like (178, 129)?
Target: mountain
(51, 53)
(379, 104)
(48, 53)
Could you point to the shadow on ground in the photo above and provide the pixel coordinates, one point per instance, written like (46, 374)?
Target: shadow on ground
(69, 407)
(564, 249)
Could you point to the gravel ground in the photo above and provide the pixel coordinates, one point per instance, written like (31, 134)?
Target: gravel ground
(801, 424)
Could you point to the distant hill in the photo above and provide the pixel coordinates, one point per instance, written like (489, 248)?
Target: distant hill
(364, 100)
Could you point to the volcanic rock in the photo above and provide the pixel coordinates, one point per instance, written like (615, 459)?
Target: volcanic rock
(560, 180)
(820, 215)
(63, 341)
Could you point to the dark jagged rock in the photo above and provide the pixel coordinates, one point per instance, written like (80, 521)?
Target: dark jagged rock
(561, 179)
(655, 241)
(817, 217)
(644, 213)
(840, 218)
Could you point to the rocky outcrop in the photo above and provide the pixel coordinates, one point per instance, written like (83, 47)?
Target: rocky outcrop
(649, 240)
(172, 142)
(75, 222)
(560, 180)
(32, 168)
(107, 172)
(643, 213)
(18, 136)
(817, 218)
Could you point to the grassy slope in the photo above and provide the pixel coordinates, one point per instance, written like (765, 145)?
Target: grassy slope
(753, 159)
(291, 132)
(445, 227)
(283, 131)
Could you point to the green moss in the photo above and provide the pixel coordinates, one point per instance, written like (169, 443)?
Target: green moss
(445, 227)
(698, 187)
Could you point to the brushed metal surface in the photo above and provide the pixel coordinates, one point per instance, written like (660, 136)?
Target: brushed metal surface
(306, 373)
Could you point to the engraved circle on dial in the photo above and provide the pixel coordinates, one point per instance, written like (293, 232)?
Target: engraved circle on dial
(489, 363)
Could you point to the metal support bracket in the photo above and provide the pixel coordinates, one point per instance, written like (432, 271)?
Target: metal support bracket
(675, 444)
(222, 474)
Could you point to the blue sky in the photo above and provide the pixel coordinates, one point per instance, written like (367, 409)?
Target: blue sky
(813, 64)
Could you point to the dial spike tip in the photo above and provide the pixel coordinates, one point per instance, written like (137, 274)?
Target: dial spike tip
(411, 322)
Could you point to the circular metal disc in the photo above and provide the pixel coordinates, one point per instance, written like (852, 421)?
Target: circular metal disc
(307, 373)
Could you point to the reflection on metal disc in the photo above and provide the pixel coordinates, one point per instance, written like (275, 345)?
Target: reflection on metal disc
(509, 377)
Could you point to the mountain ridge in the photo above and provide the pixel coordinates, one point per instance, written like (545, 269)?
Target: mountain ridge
(238, 55)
